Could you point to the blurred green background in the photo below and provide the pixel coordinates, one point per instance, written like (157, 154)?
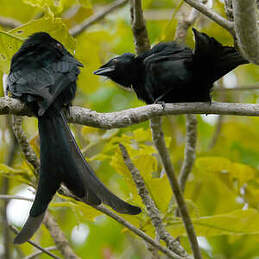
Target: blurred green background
(222, 192)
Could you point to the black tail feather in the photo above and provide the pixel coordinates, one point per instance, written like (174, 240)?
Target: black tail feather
(209, 52)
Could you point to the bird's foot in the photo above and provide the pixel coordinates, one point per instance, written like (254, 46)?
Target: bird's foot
(160, 102)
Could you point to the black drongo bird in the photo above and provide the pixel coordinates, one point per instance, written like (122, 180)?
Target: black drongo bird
(170, 72)
(43, 74)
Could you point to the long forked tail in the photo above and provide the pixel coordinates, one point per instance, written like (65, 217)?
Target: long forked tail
(209, 53)
(91, 183)
(63, 162)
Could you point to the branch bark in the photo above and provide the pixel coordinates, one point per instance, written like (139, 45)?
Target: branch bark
(247, 33)
(158, 139)
(228, 25)
(132, 116)
(152, 210)
(43, 250)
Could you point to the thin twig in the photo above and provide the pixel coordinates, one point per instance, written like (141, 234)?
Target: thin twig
(217, 131)
(75, 31)
(138, 232)
(36, 245)
(191, 120)
(27, 150)
(158, 139)
(228, 25)
(117, 218)
(36, 254)
(152, 210)
(189, 151)
(59, 237)
(10, 197)
(5, 189)
(243, 88)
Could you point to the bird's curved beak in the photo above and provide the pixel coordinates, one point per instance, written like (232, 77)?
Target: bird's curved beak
(105, 70)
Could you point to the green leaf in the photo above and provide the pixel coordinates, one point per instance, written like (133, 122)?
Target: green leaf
(8, 46)
(54, 26)
(239, 222)
(22, 175)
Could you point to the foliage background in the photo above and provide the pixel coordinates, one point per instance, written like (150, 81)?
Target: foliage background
(222, 192)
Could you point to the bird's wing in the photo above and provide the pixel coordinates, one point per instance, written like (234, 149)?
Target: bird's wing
(44, 83)
(166, 71)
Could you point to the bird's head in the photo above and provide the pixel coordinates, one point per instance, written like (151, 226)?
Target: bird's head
(121, 69)
(42, 40)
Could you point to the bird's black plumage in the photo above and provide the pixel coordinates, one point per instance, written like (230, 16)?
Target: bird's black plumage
(43, 74)
(170, 72)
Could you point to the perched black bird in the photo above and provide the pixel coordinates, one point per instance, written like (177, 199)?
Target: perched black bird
(170, 72)
(43, 74)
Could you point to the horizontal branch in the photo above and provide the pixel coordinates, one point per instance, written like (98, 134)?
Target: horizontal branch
(132, 116)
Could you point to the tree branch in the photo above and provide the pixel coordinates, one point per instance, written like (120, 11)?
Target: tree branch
(229, 26)
(139, 27)
(27, 150)
(117, 218)
(36, 254)
(36, 245)
(75, 31)
(132, 116)
(191, 120)
(138, 232)
(59, 237)
(247, 34)
(189, 151)
(158, 139)
(152, 210)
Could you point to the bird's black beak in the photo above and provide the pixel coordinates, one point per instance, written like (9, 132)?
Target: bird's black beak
(105, 70)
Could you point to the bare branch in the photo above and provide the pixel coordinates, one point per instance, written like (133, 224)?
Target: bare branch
(229, 26)
(27, 150)
(138, 232)
(191, 120)
(138, 27)
(247, 34)
(132, 116)
(36, 245)
(158, 139)
(59, 237)
(75, 31)
(189, 152)
(152, 210)
(117, 218)
(36, 254)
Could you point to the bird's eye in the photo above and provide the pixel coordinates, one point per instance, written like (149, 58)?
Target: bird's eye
(59, 45)
(115, 60)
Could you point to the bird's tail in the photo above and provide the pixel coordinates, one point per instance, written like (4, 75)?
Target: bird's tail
(210, 53)
(63, 162)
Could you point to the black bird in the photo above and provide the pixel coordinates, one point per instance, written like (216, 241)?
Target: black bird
(43, 74)
(170, 72)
